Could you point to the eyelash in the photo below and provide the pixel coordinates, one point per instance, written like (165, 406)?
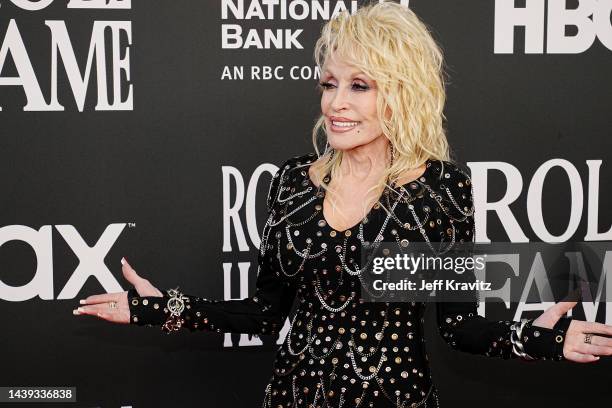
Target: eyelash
(359, 87)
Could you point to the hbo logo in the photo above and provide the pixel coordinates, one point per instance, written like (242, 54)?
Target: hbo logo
(590, 20)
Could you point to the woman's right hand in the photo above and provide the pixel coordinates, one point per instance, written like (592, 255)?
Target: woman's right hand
(99, 305)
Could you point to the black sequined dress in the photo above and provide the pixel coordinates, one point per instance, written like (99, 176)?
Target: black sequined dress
(341, 351)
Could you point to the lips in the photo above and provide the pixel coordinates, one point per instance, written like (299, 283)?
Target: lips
(341, 125)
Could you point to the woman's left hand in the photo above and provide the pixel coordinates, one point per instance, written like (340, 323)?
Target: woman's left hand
(114, 307)
(576, 347)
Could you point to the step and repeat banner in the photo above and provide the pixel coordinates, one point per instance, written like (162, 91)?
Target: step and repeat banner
(151, 130)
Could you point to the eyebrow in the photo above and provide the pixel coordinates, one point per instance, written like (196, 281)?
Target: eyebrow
(353, 73)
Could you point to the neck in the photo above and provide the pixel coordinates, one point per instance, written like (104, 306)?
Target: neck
(366, 162)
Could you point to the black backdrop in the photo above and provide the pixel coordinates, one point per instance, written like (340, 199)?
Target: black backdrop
(156, 172)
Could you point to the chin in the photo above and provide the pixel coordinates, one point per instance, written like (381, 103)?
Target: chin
(343, 146)
(346, 142)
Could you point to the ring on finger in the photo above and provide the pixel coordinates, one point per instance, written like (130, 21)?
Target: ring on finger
(588, 337)
(112, 304)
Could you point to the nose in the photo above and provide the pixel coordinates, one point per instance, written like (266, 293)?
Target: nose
(340, 100)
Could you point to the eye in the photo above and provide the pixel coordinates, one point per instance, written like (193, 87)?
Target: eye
(326, 85)
(355, 86)
(359, 87)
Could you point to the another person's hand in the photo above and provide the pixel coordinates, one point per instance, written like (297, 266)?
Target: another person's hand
(583, 343)
(114, 306)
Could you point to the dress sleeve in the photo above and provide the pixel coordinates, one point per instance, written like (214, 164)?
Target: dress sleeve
(263, 313)
(459, 323)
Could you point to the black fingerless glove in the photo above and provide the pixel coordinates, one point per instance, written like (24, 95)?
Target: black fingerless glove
(147, 310)
(545, 344)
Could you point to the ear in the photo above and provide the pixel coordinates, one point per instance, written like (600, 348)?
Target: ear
(388, 112)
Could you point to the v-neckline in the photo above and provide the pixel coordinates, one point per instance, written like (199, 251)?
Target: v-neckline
(321, 200)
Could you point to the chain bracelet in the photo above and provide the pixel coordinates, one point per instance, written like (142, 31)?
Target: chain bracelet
(175, 306)
(516, 333)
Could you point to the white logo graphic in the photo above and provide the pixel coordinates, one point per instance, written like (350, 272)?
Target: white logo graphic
(591, 19)
(118, 58)
(91, 261)
(514, 180)
(233, 36)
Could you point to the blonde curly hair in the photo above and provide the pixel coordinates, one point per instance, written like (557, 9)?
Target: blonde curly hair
(390, 44)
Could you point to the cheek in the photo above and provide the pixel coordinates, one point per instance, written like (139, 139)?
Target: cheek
(325, 101)
(373, 110)
(369, 112)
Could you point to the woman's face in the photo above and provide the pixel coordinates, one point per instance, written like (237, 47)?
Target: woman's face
(348, 102)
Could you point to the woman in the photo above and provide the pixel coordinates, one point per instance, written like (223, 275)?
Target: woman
(385, 175)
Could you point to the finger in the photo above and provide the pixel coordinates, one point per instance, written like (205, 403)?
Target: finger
(103, 298)
(586, 348)
(560, 309)
(93, 310)
(129, 273)
(595, 327)
(601, 341)
(87, 310)
(157, 292)
(581, 358)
